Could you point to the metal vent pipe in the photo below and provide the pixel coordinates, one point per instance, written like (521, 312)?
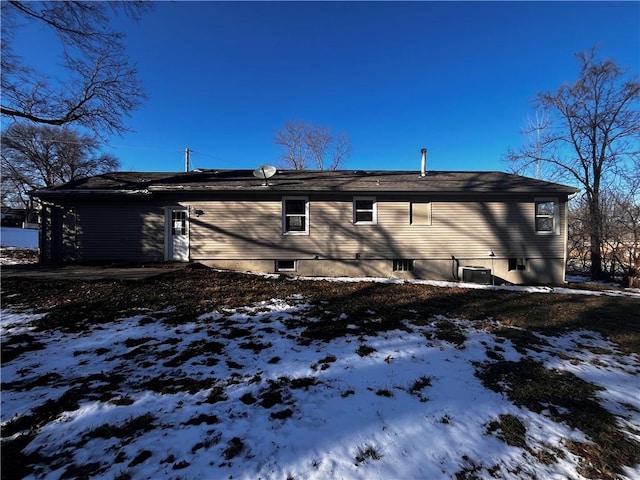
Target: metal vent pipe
(423, 163)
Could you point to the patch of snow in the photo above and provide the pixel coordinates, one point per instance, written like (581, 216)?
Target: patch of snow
(354, 402)
(628, 292)
(19, 237)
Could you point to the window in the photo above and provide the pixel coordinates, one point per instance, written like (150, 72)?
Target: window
(546, 216)
(285, 265)
(364, 210)
(517, 264)
(402, 265)
(295, 216)
(178, 222)
(420, 213)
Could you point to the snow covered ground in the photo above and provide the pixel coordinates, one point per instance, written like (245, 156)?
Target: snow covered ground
(243, 394)
(18, 237)
(18, 246)
(614, 291)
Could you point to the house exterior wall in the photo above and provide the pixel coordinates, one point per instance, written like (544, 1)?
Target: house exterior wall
(102, 230)
(244, 234)
(539, 271)
(120, 231)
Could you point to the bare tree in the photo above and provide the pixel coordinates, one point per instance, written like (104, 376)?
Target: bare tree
(36, 156)
(99, 87)
(578, 236)
(533, 132)
(622, 233)
(311, 146)
(592, 139)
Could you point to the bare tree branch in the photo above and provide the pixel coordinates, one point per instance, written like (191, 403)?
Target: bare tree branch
(306, 145)
(592, 137)
(36, 156)
(99, 87)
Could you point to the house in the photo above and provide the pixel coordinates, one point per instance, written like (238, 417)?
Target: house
(480, 226)
(19, 217)
(12, 217)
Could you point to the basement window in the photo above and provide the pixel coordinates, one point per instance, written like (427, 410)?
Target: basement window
(517, 264)
(286, 266)
(402, 265)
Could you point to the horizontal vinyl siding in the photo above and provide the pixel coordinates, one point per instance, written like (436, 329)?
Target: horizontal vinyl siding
(120, 232)
(247, 229)
(472, 229)
(233, 229)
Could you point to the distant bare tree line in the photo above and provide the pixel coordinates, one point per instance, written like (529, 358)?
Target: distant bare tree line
(311, 146)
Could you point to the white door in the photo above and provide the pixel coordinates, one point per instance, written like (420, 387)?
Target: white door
(176, 235)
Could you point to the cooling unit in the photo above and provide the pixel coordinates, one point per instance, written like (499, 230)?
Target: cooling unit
(471, 274)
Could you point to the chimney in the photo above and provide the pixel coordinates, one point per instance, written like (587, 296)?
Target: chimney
(423, 163)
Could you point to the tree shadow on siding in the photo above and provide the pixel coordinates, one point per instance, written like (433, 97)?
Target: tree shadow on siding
(342, 241)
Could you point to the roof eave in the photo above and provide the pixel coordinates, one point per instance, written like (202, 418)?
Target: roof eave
(56, 193)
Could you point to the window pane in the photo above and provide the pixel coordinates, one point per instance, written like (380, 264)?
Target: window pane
(364, 205)
(364, 216)
(364, 210)
(295, 206)
(544, 224)
(545, 208)
(295, 223)
(178, 222)
(285, 265)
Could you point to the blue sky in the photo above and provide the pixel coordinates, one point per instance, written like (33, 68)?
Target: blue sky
(455, 77)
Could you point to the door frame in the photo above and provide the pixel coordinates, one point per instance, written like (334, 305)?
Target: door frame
(169, 254)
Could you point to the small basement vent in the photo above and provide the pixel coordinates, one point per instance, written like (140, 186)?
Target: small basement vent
(481, 275)
(402, 265)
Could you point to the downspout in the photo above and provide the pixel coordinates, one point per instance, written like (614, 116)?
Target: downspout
(455, 265)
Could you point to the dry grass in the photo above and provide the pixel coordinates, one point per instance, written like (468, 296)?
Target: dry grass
(568, 399)
(347, 308)
(76, 305)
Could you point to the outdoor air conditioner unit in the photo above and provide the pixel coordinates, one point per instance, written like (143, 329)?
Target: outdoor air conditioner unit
(471, 274)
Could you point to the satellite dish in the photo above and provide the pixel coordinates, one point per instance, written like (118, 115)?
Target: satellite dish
(265, 172)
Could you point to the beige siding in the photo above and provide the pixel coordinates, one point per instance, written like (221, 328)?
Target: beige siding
(231, 229)
(247, 233)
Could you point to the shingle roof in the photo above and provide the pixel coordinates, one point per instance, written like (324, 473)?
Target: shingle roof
(382, 181)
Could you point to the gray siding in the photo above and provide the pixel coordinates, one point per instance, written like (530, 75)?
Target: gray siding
(118, 231)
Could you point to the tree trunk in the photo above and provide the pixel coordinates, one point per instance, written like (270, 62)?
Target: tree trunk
(596, 262)
(595, 229)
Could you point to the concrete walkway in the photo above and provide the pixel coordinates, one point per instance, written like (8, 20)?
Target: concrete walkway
(88, 272)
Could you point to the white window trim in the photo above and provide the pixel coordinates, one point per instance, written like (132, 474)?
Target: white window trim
(555, 218)
(375, 211)
(284, 216)
(278, 268)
